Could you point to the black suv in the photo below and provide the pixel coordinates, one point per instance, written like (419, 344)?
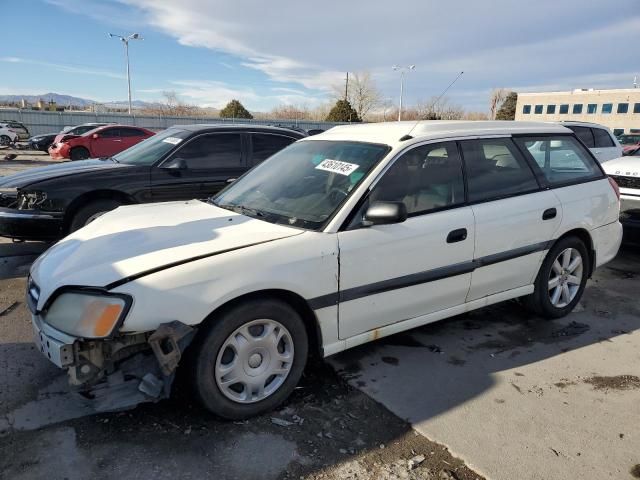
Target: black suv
(180, 163)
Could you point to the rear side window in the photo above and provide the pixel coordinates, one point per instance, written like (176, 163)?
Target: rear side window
(266, 144)
(584, 134)
(220, 150)
(495, 168)
(425, 178)
(561, 159)
(131, 132)
(602, 138)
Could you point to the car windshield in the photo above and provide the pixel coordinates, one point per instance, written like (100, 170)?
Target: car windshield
(629, 139)
(304, 184)
(150, 150)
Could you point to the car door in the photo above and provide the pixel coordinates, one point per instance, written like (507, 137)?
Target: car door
(200, 168)
(263, 145)
(514, 218)
(606, 146)
(391, 273)
(107, 143)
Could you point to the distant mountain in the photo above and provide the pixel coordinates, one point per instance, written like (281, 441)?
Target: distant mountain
(64, 100)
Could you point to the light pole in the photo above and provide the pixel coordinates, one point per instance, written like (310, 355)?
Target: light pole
(402, 70)
(125, 41)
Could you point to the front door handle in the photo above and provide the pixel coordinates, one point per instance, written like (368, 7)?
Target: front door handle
(457, 235)
(549, 213)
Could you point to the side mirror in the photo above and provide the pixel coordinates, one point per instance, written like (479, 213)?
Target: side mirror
(95, 136)
(176, 164)
(384, 213)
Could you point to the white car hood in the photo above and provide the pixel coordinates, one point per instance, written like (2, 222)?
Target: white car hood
(134, 239)
(623, 167)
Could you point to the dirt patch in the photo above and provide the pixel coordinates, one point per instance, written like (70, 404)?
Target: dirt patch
(618, 382)
(635, 471)
(564, 383)
(391, 361)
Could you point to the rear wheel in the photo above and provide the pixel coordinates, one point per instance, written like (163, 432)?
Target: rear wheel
(90, 212)
(561, 279)
(79, 153)
(250, 358)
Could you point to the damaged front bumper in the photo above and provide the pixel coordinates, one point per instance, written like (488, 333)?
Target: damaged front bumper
(120, 372)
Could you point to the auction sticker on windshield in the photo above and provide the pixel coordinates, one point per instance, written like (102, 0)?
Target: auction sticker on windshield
(172, 140)
(336, 166)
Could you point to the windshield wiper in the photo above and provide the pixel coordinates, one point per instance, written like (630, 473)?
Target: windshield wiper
(109, 158)
(241, 209)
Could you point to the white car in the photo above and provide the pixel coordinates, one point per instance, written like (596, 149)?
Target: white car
(340, 239)
(626, 173)
(603, 144)
(7, 135)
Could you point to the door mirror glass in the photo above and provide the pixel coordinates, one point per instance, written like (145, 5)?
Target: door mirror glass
(384, 213)
(176, 163)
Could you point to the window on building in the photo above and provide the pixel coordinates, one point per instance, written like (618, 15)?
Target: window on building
(538, 109)
(618, 131)
(636, 108)
(607, 107)
(577, 108)
(564, 109)
(526, 109)
(623, 108)
(551, 109)
(592, 108)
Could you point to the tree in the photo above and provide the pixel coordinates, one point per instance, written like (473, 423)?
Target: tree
(235, 109)
(172, 106)
(438, 109)
(507, 110)
(497, 97)
(362, 93)
(342, 111)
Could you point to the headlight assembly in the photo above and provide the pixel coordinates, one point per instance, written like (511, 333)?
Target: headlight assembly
(87, 314)
(30, 200)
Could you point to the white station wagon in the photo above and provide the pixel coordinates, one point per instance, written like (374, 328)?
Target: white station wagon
(339, 239)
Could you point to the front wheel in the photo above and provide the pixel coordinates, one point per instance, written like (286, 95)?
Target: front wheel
(5, 140)
(90, 212)
(561, 279)
(250, 358)
(79, 153)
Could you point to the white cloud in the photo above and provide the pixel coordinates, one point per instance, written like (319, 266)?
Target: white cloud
(83, 70)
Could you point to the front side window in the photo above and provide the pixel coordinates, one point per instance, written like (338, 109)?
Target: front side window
(218, 150)
(110, 133)
(266, 144)
(152, 149)
(562, 159)
(495, 169)
(526, 109)
(577, 108)
(564, 109)
(304, 184)
(584, 134)
(602, 138)
(425, 178)
(623, 108)
(538, 109)
(551, 109)
(592, 108)
(629, 139)
(607, 107)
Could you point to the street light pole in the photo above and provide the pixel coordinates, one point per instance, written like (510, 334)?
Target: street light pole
(125, 41)
(402, 70)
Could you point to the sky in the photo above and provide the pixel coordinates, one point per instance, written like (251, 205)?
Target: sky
(293, 52)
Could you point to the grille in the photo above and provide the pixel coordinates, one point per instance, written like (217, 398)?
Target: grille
(627, 182)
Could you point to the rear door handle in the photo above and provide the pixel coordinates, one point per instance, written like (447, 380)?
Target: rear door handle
(457, 235)
(549, 213)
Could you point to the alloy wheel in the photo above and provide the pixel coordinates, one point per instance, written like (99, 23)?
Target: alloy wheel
(565, 277)
(254, 361)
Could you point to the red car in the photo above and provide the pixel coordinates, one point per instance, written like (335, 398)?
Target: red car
(629, 142)
(103, 141)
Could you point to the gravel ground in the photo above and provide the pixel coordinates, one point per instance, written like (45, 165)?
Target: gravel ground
(24, 159)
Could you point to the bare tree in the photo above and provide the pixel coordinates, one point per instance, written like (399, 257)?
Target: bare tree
(439, 109)
(495, 100)
(172, 106)
(362, 93)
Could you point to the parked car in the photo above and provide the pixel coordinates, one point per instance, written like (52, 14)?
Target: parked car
(18, 127)
(598, 138)
(629, 142)
(7, 135)
(337, 240)
(626, 173)
(44, 141)
(180, 163)
(100, 142)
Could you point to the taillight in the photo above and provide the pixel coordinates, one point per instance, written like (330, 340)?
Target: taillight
(615, 187)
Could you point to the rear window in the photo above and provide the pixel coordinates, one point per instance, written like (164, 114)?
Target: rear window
(561, 159)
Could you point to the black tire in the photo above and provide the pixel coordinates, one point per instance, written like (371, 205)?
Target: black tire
(540, 301)
(85, 214)
(79, 153)
(5, 140)
(205, 350)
